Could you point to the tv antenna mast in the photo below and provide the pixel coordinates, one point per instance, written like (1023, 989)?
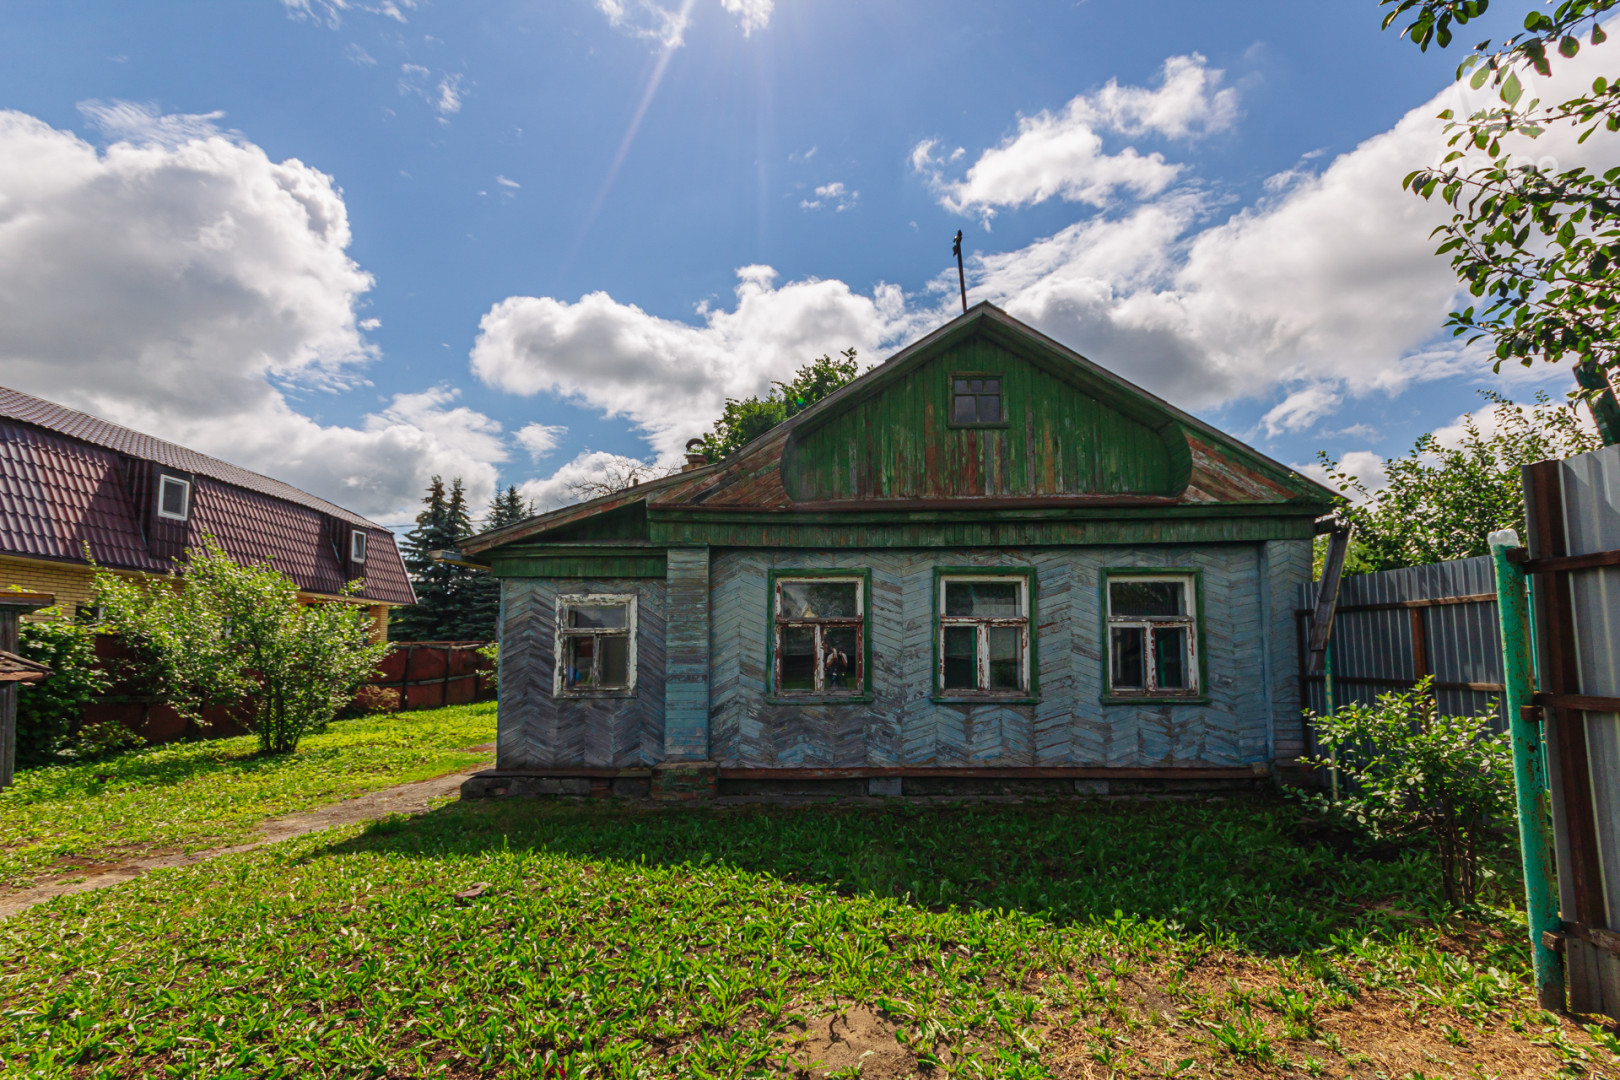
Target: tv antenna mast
(961, 278)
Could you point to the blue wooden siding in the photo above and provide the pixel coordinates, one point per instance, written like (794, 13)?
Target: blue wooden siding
(1252, 715)
(534, 728)
(686, 664)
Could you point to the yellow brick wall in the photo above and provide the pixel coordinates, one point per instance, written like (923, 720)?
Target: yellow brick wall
(69, 584)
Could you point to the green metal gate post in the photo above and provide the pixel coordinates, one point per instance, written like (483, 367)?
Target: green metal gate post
(1529, 770)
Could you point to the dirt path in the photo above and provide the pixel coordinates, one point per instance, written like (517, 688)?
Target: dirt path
(411, 798)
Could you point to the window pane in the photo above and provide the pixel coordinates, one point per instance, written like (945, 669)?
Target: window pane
(961, 658)
(579, 652)
(989, 410)
(1006, 658)
(1170, 657)
(1138, 598)
(977, 386)
(819, 600)
(992, 386)
(965, 409)
(797, 658)
(174, 497)
(984, 599)
(615, 659)
(1129, 667)
(605, 617)
(961, 386)
(839, 647)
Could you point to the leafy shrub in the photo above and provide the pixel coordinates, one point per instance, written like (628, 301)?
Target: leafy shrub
(100, 739)
(48, 712)
(238, 635)
(1414, 773)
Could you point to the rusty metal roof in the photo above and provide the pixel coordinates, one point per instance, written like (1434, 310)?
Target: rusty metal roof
(70, 484)
(20, 669)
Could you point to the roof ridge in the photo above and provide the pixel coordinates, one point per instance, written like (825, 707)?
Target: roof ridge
(87, 427)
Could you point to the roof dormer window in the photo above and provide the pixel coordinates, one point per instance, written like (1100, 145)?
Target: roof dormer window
(357, 546)
(976, 401)
(174, 498)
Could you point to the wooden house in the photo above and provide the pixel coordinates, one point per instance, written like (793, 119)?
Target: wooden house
(986, 562)
(76, 488)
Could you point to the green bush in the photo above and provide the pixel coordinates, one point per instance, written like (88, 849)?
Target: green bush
(239, 636)
(1415, 774)
(48, 712)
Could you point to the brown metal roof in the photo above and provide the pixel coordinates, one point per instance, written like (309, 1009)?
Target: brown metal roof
(70, 482)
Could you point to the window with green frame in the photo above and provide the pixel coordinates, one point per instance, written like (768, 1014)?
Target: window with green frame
(1152, 634)
(983, 647)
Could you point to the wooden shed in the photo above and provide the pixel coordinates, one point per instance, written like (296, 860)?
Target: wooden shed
(987, 561)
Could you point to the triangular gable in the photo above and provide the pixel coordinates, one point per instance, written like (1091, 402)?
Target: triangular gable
(1075, 434)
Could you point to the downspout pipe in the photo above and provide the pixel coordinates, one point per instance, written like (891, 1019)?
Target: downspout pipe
(1529, 771)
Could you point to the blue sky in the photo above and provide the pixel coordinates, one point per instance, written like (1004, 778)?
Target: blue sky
(355, 243)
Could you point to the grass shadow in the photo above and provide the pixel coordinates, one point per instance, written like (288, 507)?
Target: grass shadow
(1260, 873)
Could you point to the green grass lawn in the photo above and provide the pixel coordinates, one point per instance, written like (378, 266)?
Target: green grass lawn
(1084, 939)
(189, 796)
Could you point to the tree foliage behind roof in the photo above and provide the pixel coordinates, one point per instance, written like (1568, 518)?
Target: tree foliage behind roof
(746, 419)
(1440, 502)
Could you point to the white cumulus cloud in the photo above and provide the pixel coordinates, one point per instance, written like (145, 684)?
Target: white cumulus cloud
(1061, 154)
(672, 378)
(540, 439)
(666, 23)
(178, 287)
(835, 196)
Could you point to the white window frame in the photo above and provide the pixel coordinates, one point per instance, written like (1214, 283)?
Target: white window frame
(857, 686)
(1150, 648)
(567, 603)
(359, 541)
(185, 497)
(982, 640)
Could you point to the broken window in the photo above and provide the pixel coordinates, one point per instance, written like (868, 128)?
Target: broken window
(596, 651)
(820, 644)
(1152, 635)
(984, 635)
(976, 399)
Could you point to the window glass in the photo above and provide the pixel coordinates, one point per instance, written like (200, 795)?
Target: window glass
(615, 666)
(798, 658)
(838, 649)
(982, 599)
(1147, 599)
(820, 600)
(976, 401)
(606, 617)
(1129, 664)
(1170, 657)
(965, 409)
(1006, 657)
(961, 658)
(357, 547)
(172, 498)
(580, 671)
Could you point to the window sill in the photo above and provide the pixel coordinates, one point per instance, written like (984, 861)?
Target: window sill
(596, 695)
(1155, 699)
(1003, 425)
(984, 699)
(818, 699)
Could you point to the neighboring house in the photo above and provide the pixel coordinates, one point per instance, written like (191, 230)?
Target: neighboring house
(986, 561)
(72, 484)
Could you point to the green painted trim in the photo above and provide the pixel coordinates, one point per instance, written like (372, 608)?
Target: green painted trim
(967, 511)
(771, 694)
(581, 565)
(1011, 534)
(1030, 696)
(950, 396)
(1108, 696)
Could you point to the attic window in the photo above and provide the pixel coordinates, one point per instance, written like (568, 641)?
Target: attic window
(357, 547)
(174, 498)
(976, 400)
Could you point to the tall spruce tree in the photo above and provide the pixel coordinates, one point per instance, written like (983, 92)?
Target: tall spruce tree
(439, 613)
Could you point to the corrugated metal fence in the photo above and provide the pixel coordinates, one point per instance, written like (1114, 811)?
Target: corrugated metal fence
(1394, 627)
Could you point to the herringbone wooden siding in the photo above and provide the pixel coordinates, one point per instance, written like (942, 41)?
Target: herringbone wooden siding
(534, 728)
(1253, 714)
(1247, 638)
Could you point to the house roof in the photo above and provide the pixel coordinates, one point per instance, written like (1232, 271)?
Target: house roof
(20, 669)
(1217, 472)
(69, 481)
